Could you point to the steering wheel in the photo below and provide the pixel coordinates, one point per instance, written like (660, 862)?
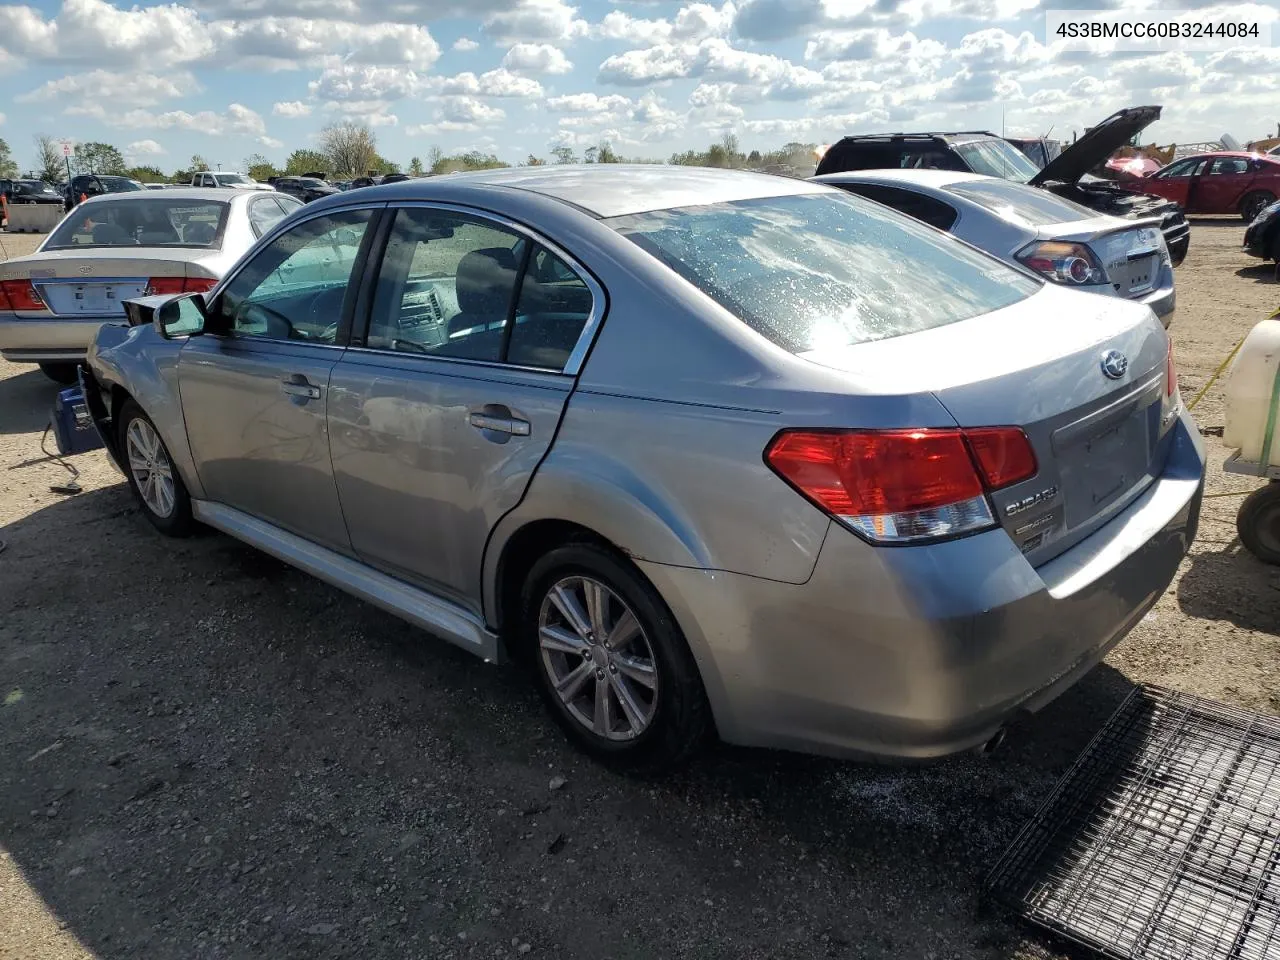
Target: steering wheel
(276, 325)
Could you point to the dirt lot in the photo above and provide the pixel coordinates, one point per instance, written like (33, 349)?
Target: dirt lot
(206, 754)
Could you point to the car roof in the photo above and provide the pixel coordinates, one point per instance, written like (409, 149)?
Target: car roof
(957, 136)
(181, 193)
(934, 179)
(601, 189)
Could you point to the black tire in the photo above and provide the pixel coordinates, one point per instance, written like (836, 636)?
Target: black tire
(1253, 204)
(63, 373)
(178, 522)
(681, 721)
(1258, 523)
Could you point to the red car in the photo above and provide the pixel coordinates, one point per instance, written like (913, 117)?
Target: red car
(1226, 182)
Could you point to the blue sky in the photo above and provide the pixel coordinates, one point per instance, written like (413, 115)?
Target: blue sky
(229, 78)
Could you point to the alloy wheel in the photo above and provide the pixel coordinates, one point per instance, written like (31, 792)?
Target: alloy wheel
(150, 466)
(598, 659)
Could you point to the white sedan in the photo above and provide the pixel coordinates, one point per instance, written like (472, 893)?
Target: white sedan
(117, 246)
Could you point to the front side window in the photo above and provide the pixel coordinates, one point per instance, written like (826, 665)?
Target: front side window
(148, 221)
(1184, 168)
(296, 287)
(997, 158)
(823, 271)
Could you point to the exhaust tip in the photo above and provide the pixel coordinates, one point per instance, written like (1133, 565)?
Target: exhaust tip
(992, 745)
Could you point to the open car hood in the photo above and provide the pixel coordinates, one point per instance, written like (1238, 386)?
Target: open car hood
(1093, 149)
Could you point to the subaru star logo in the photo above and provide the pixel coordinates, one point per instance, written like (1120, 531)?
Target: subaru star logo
(1114, 364)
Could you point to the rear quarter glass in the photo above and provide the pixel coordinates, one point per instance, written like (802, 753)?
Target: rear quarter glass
(825, 271)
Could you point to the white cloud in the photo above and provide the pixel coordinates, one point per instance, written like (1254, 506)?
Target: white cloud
(873, 44)
(271, 142)
(621, 26)
(351, 82)
(697, 21)
(383, 120)
(535, 20)
(761, 75)
(286, 43)
(465, 45)
(589, 103)
(536, 58)
(291, 109)
(144, 148)
(119, 89)
(470, 110)
(236, 119)
(95, 32)
(2, 118)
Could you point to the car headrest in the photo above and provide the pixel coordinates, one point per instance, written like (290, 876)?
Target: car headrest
(485, 281)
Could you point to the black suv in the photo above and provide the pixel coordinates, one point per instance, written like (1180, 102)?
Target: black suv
(305, 189)
(93, 185)
(29, 191)
(1067, 175)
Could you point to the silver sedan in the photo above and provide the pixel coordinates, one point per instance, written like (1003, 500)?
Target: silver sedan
(692, 444)
(1064, 242)
(116, 246)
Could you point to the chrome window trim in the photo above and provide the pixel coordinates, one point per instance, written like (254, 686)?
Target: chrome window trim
(599, 299)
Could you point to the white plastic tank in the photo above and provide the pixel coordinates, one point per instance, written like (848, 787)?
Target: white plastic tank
(1253, 396)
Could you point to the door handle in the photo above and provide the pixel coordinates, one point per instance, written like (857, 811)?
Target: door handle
(300, 388)
(512, 425)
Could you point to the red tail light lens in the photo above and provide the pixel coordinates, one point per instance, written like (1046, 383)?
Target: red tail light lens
(19, 295)
(165, 286)
(1004, 455)
(199, 284)
(903, 485)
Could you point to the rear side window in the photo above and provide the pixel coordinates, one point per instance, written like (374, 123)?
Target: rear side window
(265, 213)
(823, 271)
(925, 209)
(1014, 201)
(149, 221)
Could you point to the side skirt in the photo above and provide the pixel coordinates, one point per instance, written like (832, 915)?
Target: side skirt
(436, 616)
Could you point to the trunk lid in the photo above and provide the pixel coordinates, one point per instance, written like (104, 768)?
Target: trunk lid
(1097, 144)
(96, 283)
(1130, 253)
(1038, 364)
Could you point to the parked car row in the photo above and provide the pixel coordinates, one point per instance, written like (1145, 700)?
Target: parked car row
(711, 452)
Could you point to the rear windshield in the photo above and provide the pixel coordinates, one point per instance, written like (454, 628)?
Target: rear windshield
(823, 271)
(1014, 201)
(33, 186)
(997, 158)
(148, 221)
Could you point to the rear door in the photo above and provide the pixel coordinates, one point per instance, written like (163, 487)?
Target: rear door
(1222, 186)
(256, 389)
(439, 417)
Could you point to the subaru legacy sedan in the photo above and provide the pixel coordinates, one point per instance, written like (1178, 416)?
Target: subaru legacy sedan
(692, 444)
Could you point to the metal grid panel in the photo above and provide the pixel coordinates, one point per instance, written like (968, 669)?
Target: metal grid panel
(1162, 841)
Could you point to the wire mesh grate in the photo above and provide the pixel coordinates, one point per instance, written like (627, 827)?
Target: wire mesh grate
(1162, 842)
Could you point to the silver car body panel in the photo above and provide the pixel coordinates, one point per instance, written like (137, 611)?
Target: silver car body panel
(806, 636)
(63, 333)
(1142, 280)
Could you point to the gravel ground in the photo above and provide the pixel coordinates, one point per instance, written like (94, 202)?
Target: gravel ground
(204, 754)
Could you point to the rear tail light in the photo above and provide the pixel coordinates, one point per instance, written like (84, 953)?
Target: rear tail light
(165, 286)
(1069, 263)
(897, 486)
(19, 295)
(1170, 372)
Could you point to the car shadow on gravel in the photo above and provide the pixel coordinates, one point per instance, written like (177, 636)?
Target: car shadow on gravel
(26, 402)
(204, 753)
(1230, 584)
(1260, 272)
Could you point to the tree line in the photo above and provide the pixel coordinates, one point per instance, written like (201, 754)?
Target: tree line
(350, 149)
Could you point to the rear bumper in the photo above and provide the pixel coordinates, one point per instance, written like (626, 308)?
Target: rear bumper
(48, 340)
(925, 651)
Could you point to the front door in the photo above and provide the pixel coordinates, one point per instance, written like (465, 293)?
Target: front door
(439, 420)
(1221, 187)
(256, 388)
(1175, 181)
